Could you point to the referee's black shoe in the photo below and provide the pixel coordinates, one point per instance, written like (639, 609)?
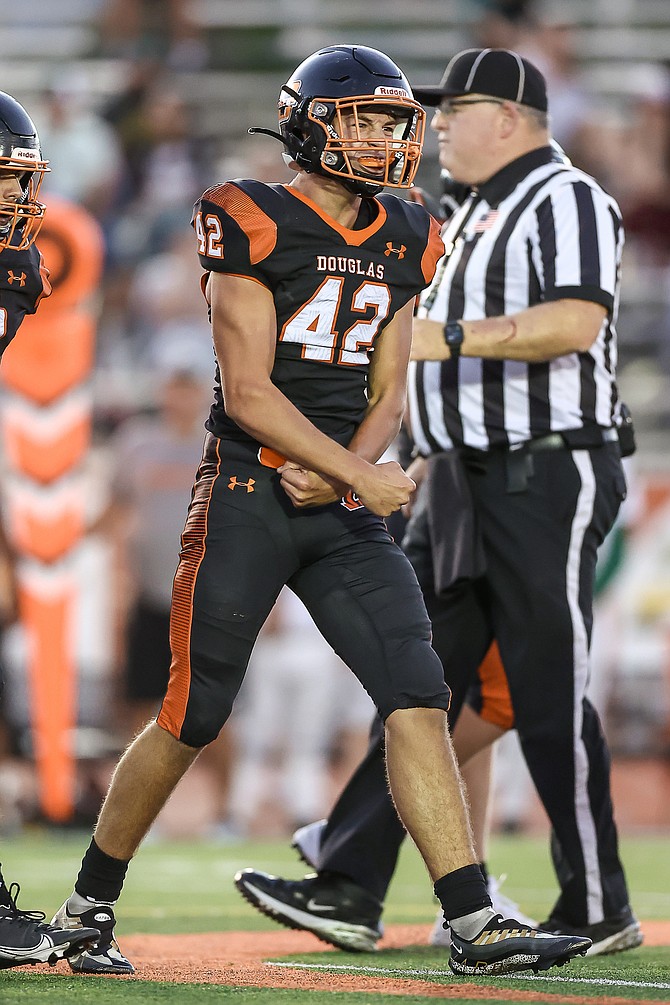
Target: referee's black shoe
(505, 946)
(331, 906)
(613, 935)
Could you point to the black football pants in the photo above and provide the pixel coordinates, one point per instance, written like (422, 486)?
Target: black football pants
(243, 542)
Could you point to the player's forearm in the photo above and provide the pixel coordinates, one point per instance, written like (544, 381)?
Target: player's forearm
(378, 429)
(267, 415)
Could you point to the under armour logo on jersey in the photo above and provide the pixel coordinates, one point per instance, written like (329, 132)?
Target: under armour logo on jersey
(12, 278)
(390, 250)
(234, 484)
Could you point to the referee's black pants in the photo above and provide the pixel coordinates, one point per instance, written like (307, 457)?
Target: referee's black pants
(540, 542)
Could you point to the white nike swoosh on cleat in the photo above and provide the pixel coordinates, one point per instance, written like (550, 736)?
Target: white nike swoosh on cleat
(312, 905)
(44, 943)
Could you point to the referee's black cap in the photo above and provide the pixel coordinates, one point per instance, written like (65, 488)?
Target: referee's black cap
(499, 73)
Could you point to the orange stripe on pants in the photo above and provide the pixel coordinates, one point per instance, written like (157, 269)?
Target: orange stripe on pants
(173, 709)
(496, 699)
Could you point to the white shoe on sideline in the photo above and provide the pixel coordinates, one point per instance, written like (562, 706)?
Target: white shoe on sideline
(307, 842)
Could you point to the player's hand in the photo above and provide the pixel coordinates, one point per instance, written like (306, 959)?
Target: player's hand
(384, 488)
(307, 488)
(417, 472)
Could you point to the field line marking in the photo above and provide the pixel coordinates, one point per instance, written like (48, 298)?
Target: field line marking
(447, 973)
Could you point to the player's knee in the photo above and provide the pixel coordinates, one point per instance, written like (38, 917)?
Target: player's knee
(418, 707)
(414, 719)
(201, 734)
(425, 689)
(204, 720)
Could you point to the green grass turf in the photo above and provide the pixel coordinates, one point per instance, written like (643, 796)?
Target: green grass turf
(581, 977)
(186, 887)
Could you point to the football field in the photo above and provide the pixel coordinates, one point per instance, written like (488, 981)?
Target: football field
(193, 939)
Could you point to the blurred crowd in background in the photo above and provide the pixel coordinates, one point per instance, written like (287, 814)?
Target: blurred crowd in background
(146, 106)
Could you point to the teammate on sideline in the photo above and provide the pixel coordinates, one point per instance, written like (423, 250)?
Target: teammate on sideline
(24, 936)
(311, 288)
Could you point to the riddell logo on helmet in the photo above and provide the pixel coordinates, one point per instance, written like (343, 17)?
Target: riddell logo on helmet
(392, 92)
(23, 154)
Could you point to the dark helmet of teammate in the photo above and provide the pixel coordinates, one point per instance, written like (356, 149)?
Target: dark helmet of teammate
(20, 154)
(322, 119)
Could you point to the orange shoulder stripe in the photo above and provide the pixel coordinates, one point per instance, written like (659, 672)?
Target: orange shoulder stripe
(434, 250)
(260, 229)
(46, 285)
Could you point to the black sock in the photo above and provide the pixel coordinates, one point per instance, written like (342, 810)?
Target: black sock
(462, 892)
(485, 872)
(101, 877)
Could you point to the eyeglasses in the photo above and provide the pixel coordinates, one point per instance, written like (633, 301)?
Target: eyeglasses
(449, 106)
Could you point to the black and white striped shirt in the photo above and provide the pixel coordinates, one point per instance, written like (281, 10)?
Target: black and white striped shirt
(538, 231)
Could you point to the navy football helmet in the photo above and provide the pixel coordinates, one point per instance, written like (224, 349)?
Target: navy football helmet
(20, 154)
(322, 119)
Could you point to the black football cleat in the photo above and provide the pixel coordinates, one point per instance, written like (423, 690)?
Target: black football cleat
(613, 935)
(25, 938)
(330, 906)
(505, 946)
(104, 956)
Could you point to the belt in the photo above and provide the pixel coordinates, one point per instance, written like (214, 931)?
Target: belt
(571, 440)
(519, 463)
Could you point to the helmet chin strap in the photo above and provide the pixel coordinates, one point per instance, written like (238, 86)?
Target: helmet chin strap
(365, 189)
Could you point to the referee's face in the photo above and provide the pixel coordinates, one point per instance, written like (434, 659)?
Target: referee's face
(469, 131)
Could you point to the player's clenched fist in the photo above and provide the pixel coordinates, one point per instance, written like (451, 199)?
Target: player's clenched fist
(384, 488)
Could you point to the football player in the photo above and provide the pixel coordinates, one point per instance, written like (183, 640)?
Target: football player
(24, 935)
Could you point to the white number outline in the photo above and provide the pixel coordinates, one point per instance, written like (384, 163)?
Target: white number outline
(324, 304)
(210, 235)
(360, 303)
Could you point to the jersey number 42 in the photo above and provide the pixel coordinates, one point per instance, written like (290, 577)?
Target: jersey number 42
(314, 325)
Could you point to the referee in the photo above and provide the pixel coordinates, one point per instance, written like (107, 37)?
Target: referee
(521, 382)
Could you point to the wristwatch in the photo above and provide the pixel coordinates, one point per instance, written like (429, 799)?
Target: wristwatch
(453, 336)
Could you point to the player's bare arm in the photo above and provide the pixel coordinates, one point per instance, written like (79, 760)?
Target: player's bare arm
(535, 335)
(386, 403)
(244, 333)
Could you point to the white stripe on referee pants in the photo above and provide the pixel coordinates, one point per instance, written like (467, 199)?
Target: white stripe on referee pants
(584, 817)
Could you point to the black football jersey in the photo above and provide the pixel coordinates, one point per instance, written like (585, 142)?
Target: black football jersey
(24, 280)
(334, 289)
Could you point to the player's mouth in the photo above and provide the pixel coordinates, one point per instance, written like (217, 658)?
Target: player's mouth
(373, 164)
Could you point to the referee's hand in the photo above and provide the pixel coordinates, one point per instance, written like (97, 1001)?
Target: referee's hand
(417, 472)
